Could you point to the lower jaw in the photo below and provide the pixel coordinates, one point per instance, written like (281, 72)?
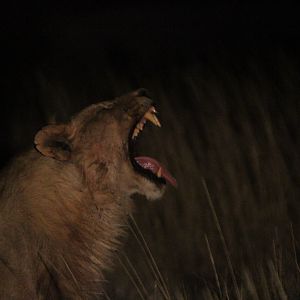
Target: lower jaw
(148, 175)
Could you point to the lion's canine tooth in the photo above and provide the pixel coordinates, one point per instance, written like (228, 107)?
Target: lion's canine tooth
(152, 118)
(158, 174)
(152, 109)
(135, 133)
(157, 121)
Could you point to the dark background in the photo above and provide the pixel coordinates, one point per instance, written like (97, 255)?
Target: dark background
(81, 46)
(226, 79)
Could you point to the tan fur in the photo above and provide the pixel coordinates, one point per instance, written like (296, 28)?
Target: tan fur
(63, 206)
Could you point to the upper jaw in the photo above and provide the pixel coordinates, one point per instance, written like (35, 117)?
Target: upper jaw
(148, 116)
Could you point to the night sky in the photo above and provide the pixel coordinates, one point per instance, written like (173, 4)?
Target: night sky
(47, 35)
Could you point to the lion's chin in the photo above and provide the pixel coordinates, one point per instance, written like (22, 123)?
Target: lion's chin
(145, 187)
(151, 190)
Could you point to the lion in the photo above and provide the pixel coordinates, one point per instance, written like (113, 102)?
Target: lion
(64, 203)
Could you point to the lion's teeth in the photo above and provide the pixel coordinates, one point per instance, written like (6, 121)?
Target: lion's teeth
(156, 120)
(135, 133)
(152, 109)
(140, 126)
(152, 118)
(158, 174)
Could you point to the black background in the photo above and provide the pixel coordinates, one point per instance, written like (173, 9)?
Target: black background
(76, 43)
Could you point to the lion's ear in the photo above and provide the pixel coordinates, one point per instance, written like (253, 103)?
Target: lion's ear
(52, 141)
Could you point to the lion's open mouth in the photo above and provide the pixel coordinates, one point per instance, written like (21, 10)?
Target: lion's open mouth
(148, 166)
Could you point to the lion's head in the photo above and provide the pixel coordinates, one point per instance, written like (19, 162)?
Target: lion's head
(100, 140)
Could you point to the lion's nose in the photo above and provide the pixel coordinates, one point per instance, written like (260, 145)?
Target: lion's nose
(141, 93)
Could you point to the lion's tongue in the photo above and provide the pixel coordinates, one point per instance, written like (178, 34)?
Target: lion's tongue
(153, 165)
